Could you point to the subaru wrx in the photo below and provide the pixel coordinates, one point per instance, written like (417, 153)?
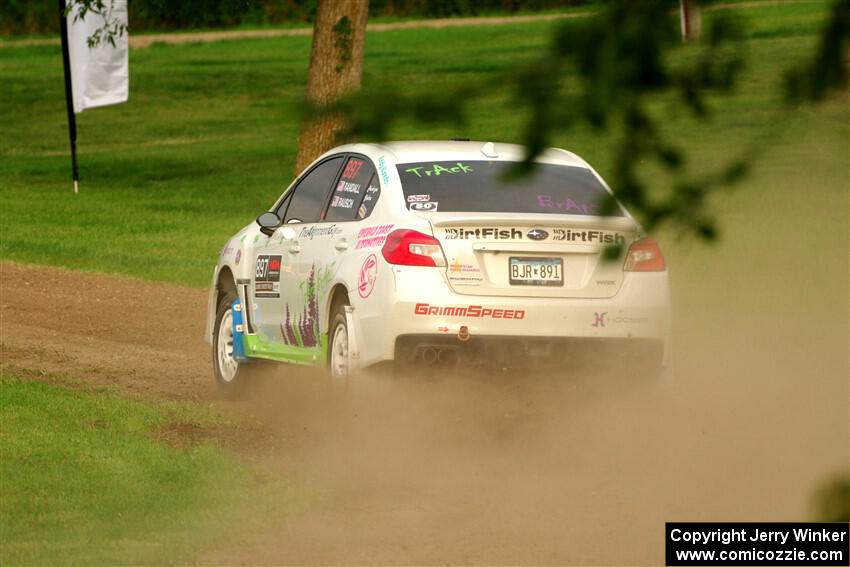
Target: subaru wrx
(438, 253)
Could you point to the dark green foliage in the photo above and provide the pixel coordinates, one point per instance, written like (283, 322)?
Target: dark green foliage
(112, 28)
(607, 73)
(832, 500)
(40, 16)
(828, 70)
(343, 41)
(447, 8)
(28, 16)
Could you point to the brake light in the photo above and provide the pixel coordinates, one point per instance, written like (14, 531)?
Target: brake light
(407, 247)
(644, 256)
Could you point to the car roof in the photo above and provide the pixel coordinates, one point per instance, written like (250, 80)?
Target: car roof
(435, 150)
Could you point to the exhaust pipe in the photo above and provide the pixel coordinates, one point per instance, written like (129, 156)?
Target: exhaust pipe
(447, 356)
(429, 355)
(435, 355)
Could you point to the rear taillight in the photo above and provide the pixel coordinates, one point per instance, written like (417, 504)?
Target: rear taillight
(644, 256)
(407, 247)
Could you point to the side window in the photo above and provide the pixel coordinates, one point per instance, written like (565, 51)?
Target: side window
(309, 196)
(349, 193)
(373, 191)
(281, 210)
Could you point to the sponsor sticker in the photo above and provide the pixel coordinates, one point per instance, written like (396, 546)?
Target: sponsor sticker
(464, 274)
(267, 276)
(470, 311)
(591, 236)
(483, 233)
(311, 232)
(601, 319)
(456, 267)
(372, 236)
(382, 168)
(557, 234)
(429, 207)
(368, 276)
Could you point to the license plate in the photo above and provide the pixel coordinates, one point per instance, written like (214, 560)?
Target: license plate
(536, 271)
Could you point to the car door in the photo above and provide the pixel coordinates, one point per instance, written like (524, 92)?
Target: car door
(280, 283)
(326, 243)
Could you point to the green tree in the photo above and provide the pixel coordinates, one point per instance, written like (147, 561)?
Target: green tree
(605, 72)
(336, 67)
(602, 72)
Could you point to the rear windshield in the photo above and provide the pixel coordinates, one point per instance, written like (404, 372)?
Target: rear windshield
(481, 186)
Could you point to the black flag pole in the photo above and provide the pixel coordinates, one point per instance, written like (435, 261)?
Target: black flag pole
(69, 94)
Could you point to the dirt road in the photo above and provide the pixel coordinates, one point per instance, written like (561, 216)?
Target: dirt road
(574, 469)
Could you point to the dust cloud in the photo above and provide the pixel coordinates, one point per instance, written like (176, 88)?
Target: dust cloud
(573, 467)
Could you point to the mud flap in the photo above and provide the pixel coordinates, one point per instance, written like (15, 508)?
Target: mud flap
(238, 332)
(353, 335)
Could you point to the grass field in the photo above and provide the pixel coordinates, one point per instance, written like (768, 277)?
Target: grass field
(79, 470)
(208, 138)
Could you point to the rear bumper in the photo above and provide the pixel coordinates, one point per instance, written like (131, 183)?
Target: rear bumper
(425, 306)
(645, 355)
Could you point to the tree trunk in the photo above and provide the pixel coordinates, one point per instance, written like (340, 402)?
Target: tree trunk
(691, 19)
(336, 67)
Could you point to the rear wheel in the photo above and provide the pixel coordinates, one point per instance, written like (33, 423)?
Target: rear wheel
(230, 373)
(339, 359)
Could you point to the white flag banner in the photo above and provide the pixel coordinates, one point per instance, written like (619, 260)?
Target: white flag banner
(99, 75)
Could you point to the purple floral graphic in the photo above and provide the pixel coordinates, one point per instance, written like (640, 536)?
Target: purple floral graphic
(303, 331)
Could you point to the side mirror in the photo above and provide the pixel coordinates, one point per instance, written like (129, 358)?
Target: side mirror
(268, 223)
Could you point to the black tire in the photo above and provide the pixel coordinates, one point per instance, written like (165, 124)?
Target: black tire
(231, 381)
(338, 324)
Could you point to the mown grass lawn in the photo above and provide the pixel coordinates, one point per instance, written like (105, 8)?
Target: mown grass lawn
(209, 136)
(90, 478)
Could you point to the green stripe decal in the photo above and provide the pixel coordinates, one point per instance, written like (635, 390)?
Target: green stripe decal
(259, 346)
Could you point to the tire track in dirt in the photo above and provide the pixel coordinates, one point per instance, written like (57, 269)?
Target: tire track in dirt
(145, 337)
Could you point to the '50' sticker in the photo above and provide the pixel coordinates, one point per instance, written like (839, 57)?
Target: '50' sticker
(427, 207)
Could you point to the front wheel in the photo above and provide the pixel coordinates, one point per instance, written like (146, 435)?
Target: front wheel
(230, 373)
(339, 360)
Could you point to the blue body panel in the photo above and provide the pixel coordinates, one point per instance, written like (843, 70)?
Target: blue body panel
(238, 337)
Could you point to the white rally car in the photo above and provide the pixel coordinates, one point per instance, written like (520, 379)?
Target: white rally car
(429, 252)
